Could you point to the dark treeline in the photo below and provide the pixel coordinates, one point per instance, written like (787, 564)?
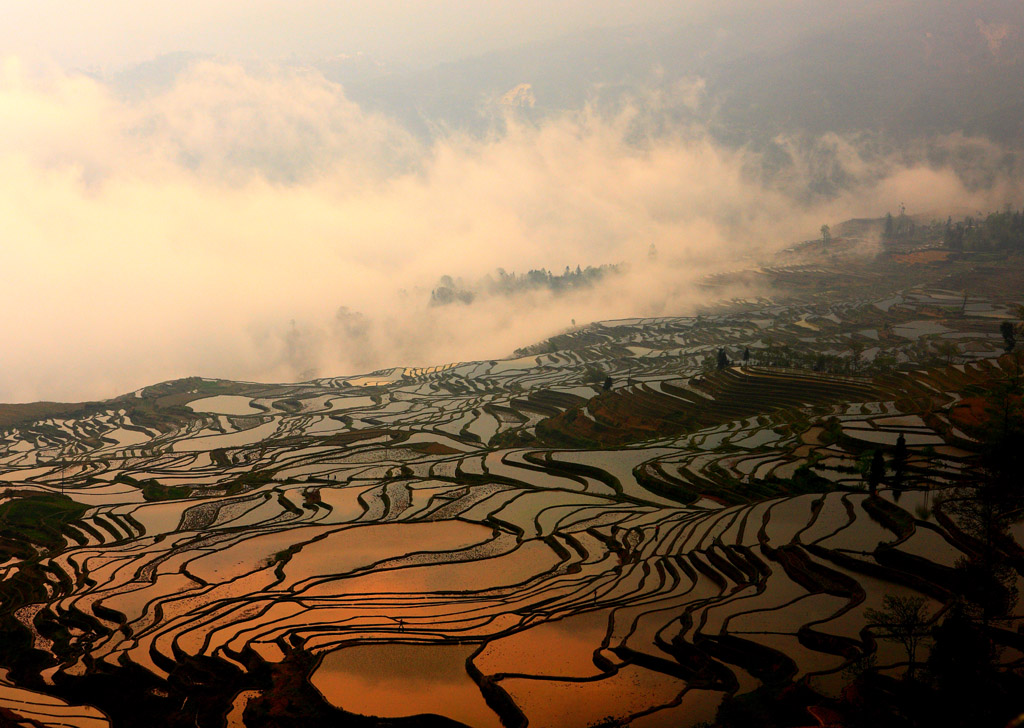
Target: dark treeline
(450, 290)
(900, 227)
(997, 231)
(783, 355)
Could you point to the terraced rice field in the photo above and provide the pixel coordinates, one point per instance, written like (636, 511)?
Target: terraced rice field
(491, 543)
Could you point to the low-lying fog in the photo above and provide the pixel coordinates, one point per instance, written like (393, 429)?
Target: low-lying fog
(250, 221)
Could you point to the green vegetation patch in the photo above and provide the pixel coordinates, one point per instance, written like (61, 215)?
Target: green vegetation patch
(155, 491)
(38, 518)
(433, 448)
(250, 481)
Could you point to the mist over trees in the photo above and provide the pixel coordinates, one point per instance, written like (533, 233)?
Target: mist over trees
(454, 290)
(996, 231)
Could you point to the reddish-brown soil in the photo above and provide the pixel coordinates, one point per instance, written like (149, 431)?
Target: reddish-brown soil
(970, 413)
(921, 256)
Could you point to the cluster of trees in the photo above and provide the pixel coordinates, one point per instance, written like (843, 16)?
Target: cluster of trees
(964, 659)
(873, 467)
(593, 375)
(997, 231)
(900, 227)
(450, 290)
(784, 355)
(962, 682)
(722, 360)
(955, 673)
(993, 232)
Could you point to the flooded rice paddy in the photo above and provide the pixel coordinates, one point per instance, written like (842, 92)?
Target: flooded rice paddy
(414, 535)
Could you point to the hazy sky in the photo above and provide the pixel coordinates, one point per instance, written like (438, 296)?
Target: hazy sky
(252, 221)
(105, 34)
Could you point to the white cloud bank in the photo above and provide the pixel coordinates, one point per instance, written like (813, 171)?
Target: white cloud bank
(218, 226)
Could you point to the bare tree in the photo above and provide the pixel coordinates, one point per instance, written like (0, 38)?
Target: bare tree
(903, 620)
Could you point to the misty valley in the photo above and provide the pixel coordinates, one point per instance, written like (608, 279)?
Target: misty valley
(800, 506)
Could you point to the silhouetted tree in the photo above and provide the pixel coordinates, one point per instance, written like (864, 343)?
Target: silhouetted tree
(899, 461)
(1009, 333)
(960, 650)
(746, 355)
(961, 663)
(903, 620)
(723, 359)
(988, 505)
(876, 471)
(607, 383)
(902, 220)
(826, 234)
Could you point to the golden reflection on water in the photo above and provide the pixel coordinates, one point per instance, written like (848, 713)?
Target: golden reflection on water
(396, 680)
